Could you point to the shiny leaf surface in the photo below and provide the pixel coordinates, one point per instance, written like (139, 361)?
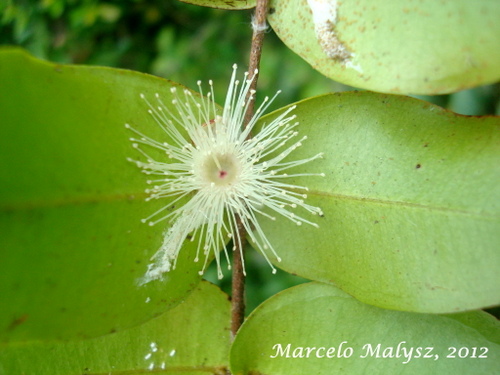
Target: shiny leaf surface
(411, 203)
(192, 338)
(424, 47)
(73, 248)
(318, 329)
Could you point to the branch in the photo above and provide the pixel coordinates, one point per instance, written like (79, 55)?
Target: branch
(259, 26)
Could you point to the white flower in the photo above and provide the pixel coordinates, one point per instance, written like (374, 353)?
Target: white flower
(230, 175)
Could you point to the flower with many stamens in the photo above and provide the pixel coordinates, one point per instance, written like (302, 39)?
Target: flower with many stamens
(231, 176)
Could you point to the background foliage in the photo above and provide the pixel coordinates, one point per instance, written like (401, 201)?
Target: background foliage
(180, 41)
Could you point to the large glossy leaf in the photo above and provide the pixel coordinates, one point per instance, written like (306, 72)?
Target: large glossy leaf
(72, 246)
(317, 329)
(411, 203)
(192, 338)
(396, 46)
(223, 4)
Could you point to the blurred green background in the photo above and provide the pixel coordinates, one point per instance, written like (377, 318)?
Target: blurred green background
(186, 43)
(181, 42)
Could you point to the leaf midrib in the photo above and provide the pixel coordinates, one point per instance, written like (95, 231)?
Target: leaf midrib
(101, 198)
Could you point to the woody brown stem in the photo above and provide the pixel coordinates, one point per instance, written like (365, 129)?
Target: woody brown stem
(238, 285)
(238, 278)
(259, 25)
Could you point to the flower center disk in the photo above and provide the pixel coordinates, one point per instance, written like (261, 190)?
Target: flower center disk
(220, 169)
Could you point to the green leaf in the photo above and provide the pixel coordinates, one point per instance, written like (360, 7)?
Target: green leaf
(73, 248)
(223, 4)
(312, 318)
(396, 46)
(411, 203)
(192, 338)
